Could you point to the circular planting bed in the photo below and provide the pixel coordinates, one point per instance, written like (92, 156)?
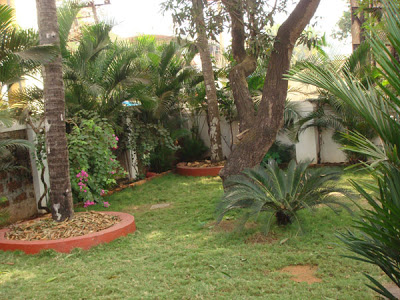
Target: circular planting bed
(23, 237)
(198, 169)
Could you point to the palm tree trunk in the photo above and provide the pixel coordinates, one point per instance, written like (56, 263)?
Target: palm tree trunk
(56, 141)
(211, 91)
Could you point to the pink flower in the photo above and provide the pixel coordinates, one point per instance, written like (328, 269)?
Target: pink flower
(78, 175)
(106, 204)
(116, 138)
(102, 192)
(85, 191)
(88, 203)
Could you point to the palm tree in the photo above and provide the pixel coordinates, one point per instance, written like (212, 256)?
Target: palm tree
(56, 142)
(332, 112)
(377, 102)
(20, 53)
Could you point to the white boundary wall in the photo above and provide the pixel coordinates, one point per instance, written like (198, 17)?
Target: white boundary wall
(306, 148)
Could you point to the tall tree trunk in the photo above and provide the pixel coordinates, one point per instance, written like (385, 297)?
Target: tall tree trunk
(214, 130)
(357, 21)
(261, 133)
(56, 141)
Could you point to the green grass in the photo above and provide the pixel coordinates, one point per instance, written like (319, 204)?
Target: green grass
(176, 253)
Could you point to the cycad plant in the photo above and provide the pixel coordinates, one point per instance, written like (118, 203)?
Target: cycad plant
(377, 101)
(282, 192)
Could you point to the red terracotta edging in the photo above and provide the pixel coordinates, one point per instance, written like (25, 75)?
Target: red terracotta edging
(136, 183)
(181, 169)
(125, 226)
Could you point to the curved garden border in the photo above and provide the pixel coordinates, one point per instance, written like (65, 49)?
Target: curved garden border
(181, 169)
(125, 226)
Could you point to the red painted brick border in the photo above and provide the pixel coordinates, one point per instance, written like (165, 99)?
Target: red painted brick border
(136, 183)
(127, 225)
(181, 169)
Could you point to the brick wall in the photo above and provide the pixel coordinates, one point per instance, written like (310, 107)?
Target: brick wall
(17, 186)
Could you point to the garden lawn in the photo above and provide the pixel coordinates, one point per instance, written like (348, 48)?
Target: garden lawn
(178, 253)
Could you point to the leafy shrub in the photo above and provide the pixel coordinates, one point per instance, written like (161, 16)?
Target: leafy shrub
(144, 138)
(281, 153)
(271, 189)
(162, 159)
(377, 101)
(93, 165)
(192, 149)
(379, 241)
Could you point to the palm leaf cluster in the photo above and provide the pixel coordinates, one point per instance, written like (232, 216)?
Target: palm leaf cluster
(101, 75)
(331, 111)
(20, 52)
(282, 192)
(376, 100)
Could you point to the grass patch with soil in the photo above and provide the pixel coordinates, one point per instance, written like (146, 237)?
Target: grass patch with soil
(177, 252)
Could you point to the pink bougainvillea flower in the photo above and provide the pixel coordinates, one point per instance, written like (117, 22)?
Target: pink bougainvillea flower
(116, 138)
(102, 192)
(85, 191)
(88, 203)
(106, 204)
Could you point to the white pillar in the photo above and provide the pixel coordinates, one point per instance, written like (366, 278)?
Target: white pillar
(306, 148)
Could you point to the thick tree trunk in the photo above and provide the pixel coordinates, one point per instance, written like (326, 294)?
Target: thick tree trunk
(211, 91)
(261, 134)
(56, 141)
(246, 65)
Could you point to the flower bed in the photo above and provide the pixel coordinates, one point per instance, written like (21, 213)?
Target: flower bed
(185, 170)
(65, 245)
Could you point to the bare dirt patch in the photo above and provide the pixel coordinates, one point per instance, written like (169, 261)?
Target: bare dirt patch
(302, 273)
(394, 289)
(45, 228)
(259, 238)
(229, 226)
(138, 208)
(160, 205)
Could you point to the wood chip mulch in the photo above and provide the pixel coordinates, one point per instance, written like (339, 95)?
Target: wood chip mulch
(205, 164)
(46, 229)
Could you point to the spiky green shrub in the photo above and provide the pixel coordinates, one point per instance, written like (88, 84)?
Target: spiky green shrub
(379, 226)
(282, 192)
(378, 103)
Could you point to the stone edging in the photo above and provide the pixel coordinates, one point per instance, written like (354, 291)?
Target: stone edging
(125, 226)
